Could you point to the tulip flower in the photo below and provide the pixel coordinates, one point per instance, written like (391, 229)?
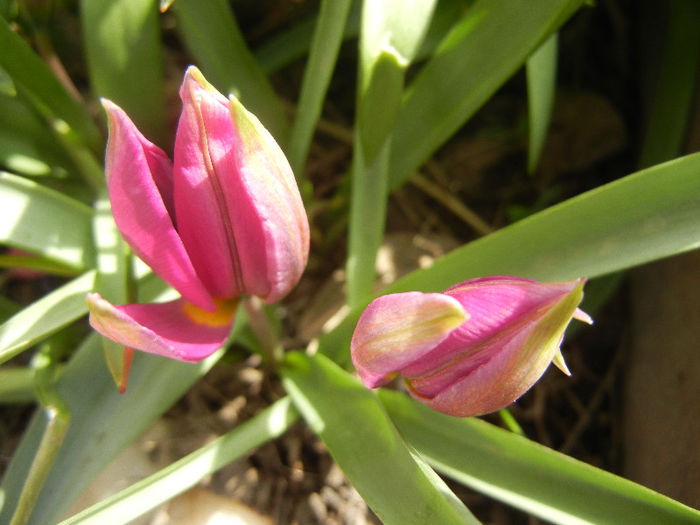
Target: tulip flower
(224, 220)
(472, 349)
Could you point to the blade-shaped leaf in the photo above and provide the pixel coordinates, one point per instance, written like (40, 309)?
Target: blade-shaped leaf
(482, 51)
(522, 473)
(45, 222)
(28, 71)
(656, 215)
(112, 282)
(125, 63)
(541, 84)
(45, 316)
(365, 444)
(673, 99)
(326, 42)
(103, 422)
(214, 39)
(148, 493)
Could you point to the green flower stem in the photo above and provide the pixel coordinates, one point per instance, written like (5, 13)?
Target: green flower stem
(264, 331)
(510, 422)
(57, 422)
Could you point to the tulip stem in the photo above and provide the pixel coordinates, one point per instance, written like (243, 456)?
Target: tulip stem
(272, 350)
(510, 422)
(57, 417)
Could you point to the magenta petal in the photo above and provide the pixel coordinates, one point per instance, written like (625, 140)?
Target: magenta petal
(397, 329)
(204, 170)
(499, 370)
(158, 328)
(266, 210)
(139, 178)
(494, 304)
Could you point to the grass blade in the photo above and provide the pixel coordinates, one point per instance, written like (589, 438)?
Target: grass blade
(481, 52)
(175, 479)
(45, 222)
(45, 316)
(27, 71)
(125, 63)
(524, 474)
(541, 86)
(371, 453)
(212, 35)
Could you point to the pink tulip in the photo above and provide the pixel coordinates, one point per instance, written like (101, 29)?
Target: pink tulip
(224, 220)
(471, 350)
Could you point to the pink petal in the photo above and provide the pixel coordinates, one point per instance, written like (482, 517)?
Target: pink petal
(139, 179)
(494, 304)
(397, 329)
(177, 329)
(238, 207)
(501, 369)
(266, 194)
(204, 168)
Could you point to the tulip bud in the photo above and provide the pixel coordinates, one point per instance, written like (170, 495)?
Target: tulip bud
(224, 220)
(473, 349)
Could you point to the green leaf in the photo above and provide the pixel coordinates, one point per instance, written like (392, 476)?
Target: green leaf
(45, 316)
(26, 145)
(326, 42)
(541, 86)
(482, 51)
(28, 71)
(365, 444)
(125, 63)
(17, 385)
(150, 492)
(44, 222)
(675, 89)
(526, 475)
(103, 423)
(212, 35)
(389, 38)
(645, 216)
(112, 282)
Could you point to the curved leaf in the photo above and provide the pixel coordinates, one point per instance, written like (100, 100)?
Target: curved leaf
(522, 473)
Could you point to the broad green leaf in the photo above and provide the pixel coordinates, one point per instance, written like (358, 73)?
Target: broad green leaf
(390, 35)
(28, 72)
(27, 147)
(524, 474)
(541, 86)
(112, 282)
(45, 222)
(103, 423)
(36, 264)
(326, 42)
(125, 63)
(211, 33)
(45, 316)
(8, 308)
(675, 84)
(645, 216)
(365, 444)
(481, 52)
(182, 475)
(17, 385)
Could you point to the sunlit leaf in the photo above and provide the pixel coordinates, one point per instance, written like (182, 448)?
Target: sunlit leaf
(370, 451)
(45, 222)
(45, 316)
(125, 63)
(524, 474)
